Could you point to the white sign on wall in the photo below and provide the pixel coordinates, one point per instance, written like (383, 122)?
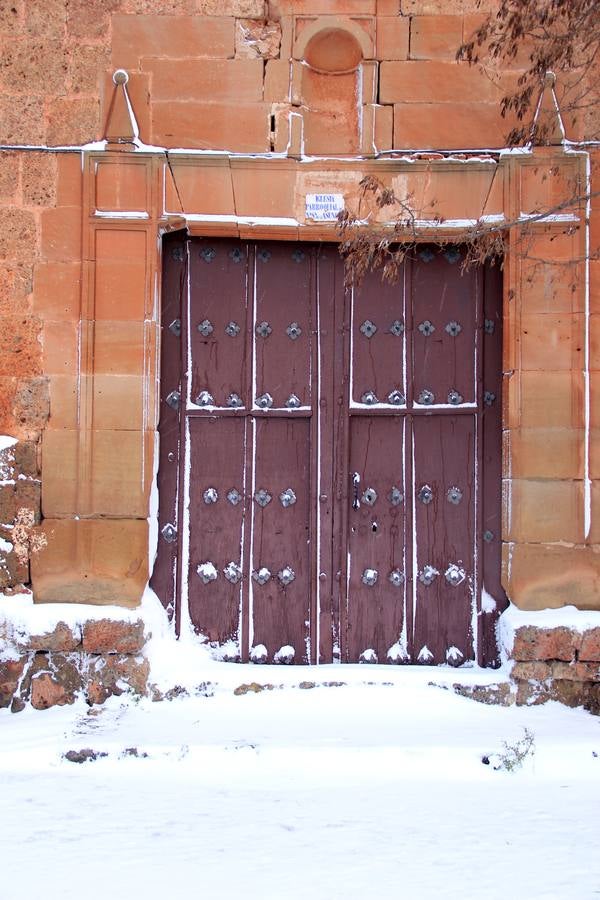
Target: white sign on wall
(324, 207)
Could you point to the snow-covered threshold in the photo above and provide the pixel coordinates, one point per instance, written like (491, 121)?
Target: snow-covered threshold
(373, 788)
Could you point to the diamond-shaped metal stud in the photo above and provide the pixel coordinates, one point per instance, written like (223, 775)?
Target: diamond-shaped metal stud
(293, 331)
(210, 495)
(369, 577)
(369, 496)
(234, 496)
(425, 495)
(208, 254)
(397, 398)
(173, 399)
(261, 575)
(489, 398)
(232, 329)
(426, 255)
(169, 533)
(262, 497)
(235, 255)
(426, 328)
(263, 329)
(287, 575)
(453, 328)
(368, 328)
(489, 326)
(205, 328)
(455, 575)
(177, 253)
(369, 398)
(265, 401)
(234, 401)
(454, 398)
(297, 256)
(454, 495)
(205, 398)
(292, 402)
(175, 327)
(396, 577)
(207, 572)
(426, 398)
(397, 328)
(395, 496)
(264, 255)
(488, 536)
(452, 254)
(287, 497)
(428, 575)
(232, 572)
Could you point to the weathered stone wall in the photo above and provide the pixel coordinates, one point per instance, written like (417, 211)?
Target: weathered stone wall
(78, 296)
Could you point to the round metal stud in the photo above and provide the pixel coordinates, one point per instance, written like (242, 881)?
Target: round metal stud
(292, 402)
(208, 254)
(298, 256)
(177, 254)
(426, 255)
(205, 328)
(263, 329)
(173, 399)
(490, 326)
(397, 328)
(286, 575)
(395, 496)
(293, 331)
(232, 572)
(175, 327)
(452, 254)
(265, 401)
(425, 495)
(454, 495)
(397, 398)
(396, 577)
(232, 329)
(428, 575)
(262, 497)
(489, 398)
(169, 533)
(426, 397)
(454, 398)
(488, 536)
(287, 497)
(369, 496)
(264, 255)
(234, 496)
(455, 575)
(368, 328)
(204, 398)
(210, 495)
(207, 572)
(426, 328)
(453, 329)
(262, 575)
(369, 398)
(235, 255)
(234, 401)
(369, 577)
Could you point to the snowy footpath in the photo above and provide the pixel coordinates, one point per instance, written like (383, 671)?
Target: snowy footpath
(361, 790)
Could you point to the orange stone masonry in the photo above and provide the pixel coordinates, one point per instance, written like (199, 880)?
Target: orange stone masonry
(240, 109)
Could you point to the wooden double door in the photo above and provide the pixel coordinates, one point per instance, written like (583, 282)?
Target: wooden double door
(330, 463)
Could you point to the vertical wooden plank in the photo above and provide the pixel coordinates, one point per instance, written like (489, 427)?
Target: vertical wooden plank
(174, 286)
(282, 556)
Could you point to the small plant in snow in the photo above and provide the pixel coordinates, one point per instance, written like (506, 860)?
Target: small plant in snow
(513, 755)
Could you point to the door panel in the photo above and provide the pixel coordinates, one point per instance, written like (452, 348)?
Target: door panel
(376, 574)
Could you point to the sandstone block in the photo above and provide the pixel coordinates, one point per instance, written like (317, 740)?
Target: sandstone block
(61, 234)
(244, 8)
(562, 506)
(46, 691)
(277, 81)
(89, 20)
(571, 693)
(257, 40)
(202, 80)
(45, 19)
(39, 172)
(15, 288)
(33, 66)
(435, 37)
(454, 125)
(10, 674)
(20, 348)
(243, 127)
(73, 121)
(590, 646)
(10, 165)
(392, 37)
(533, 643)
(30, 406)
(109, 636)
(18, 236)
(56, 290)
(175, 37)
(531, 671)
(542, 576)
(434, 81)
(530, 693)
(86, 68)
(22, 120)
(62, 639)
(113, 675)
(576, 671)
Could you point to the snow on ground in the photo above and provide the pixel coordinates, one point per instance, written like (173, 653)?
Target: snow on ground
(356, 791)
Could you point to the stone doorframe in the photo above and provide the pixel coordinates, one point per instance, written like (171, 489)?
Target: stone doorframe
(100, 447)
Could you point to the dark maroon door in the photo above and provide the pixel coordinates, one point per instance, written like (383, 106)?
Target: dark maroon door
(323, 488)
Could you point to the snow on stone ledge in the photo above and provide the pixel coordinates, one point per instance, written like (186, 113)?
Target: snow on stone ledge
(579, 620)
(6, 442)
